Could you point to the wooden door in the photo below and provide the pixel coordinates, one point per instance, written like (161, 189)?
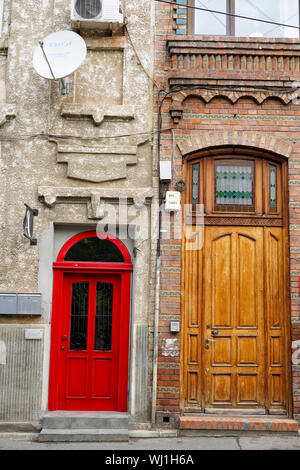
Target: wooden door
(88, 342)
(235, 321)
(234, 318)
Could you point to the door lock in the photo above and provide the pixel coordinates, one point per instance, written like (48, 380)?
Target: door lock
(207, 341)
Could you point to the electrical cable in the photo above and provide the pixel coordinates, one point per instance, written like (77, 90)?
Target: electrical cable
(138, 57)
(175, 89)
(68, 137)
(228, 14)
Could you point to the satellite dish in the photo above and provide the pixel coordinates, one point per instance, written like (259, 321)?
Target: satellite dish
(59, 55)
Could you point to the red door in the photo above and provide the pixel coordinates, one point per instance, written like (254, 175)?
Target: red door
(89, 342)
(90, 325)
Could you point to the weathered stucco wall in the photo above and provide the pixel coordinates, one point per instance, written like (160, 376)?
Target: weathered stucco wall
(58, 153)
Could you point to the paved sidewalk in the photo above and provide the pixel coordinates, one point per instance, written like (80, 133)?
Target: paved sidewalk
(258, 442)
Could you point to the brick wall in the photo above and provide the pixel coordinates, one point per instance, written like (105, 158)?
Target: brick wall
(263, 115)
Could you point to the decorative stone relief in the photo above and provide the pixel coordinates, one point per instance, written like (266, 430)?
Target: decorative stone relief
(7, 111)
(99, 90)
(95, 198)
(96, 112)
(96, 163)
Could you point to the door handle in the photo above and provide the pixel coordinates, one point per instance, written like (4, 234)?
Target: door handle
(207, 341)
(215, 332)
(64, 338)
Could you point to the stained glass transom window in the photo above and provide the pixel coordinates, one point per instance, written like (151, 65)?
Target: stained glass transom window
(195, 183)
(234, 183)
(273, 186)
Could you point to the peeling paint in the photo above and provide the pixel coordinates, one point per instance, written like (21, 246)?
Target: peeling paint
(170, 348)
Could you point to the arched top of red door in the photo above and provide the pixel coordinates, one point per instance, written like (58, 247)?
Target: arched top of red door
(118, 246)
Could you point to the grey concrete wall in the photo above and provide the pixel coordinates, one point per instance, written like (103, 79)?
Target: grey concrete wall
(57, 155)
(21, 374)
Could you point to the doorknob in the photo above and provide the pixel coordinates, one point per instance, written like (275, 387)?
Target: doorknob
(215, 332)
(64, 338)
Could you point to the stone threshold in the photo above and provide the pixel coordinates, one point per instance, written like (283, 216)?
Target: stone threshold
(238, 423)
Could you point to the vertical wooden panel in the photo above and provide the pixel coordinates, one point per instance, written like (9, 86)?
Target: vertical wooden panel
(276, 319)
(221, 267)
(247, 389)
(247, 281)
(193, 349)
(192, 262)
(193, 387)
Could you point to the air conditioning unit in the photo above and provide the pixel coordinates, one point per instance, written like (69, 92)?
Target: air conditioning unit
(96, 14)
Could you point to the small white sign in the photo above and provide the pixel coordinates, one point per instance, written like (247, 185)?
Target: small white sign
(33, 334)
(173, 201)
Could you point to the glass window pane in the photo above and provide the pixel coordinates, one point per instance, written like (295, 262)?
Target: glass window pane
(234, 183)
(280, 11)
(103, 320)
(79, 316)
(95, 250)
(207, 22)
(273, 186)
(195, 183)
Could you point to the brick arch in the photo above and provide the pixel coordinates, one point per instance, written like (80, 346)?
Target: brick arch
(178, 98)
(206, 140)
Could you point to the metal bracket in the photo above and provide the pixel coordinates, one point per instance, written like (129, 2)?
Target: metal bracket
(28, 224)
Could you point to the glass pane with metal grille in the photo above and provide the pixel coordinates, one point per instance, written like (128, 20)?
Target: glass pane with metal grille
(94, 249)
(79, 316)
(234, 183)
(195, 183)
(103, 319)
(273, 186)
(208, 22)
(279, 11)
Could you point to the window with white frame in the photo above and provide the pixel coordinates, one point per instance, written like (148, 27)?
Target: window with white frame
(285, 12)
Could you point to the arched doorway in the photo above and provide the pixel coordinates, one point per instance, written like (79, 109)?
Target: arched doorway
(236, 307)
(90, 325)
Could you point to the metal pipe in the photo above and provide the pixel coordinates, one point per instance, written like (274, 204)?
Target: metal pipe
(155, 340)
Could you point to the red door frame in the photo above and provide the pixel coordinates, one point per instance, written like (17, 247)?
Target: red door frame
(124, 270)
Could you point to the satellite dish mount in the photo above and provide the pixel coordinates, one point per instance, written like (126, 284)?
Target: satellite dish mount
(58, 56)
(64, 82)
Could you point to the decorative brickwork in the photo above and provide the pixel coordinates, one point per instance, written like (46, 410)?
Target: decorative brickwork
(238, 424)
(254, 140)
(242, 96)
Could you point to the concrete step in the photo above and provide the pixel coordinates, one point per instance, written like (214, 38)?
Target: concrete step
(237, 423)
(83, 435)
(85, 420)
(84, 426)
